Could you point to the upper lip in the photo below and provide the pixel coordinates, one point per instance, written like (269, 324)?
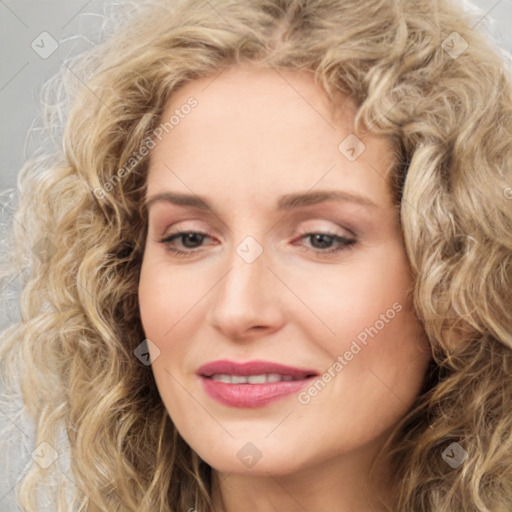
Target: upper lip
(256, 367)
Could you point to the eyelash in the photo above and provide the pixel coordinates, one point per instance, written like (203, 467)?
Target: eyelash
(346, 243)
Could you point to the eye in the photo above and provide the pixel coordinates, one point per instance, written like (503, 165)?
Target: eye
(321, 241)
(188, 238)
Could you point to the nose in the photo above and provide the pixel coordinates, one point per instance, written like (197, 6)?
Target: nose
(247, 299)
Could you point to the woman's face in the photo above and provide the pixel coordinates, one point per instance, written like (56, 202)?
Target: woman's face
(265, 181)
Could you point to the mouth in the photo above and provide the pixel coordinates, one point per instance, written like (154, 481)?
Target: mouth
(253, 383)
(254, 379)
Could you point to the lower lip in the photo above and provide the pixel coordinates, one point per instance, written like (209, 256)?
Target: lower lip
(252, 395)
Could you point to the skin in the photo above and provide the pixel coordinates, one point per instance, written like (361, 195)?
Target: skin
(255, 135)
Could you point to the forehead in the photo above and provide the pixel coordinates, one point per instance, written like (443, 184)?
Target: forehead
(262, 127)
(263, 95)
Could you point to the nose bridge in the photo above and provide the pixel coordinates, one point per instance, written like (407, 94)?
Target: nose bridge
(246, 294)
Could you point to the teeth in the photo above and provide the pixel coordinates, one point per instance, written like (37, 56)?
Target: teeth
(223, 378)
(252, 379)
(255, 379)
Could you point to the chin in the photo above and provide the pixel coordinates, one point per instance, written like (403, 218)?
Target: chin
(277, 465)
(258, 458)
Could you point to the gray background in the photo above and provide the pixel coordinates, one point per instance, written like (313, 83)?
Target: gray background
(73, 25)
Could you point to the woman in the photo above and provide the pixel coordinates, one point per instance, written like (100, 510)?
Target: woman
(270, 267)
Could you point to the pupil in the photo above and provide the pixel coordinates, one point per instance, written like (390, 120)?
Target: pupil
(319, 237)
(190, 237)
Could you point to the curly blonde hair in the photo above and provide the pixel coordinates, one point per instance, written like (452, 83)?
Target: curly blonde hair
(421, 76)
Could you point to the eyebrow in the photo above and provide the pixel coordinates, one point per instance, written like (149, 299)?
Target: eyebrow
(285, 203)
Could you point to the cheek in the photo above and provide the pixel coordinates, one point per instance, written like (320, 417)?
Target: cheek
(166, 295)
(371, 383)
(384, 352)
(348, 299)
(170, 311)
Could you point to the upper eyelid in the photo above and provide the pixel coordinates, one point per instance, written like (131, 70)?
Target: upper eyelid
(299, 233)
(321, 211)
(338, 224)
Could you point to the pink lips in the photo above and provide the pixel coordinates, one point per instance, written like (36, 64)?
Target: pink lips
(252, 395)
